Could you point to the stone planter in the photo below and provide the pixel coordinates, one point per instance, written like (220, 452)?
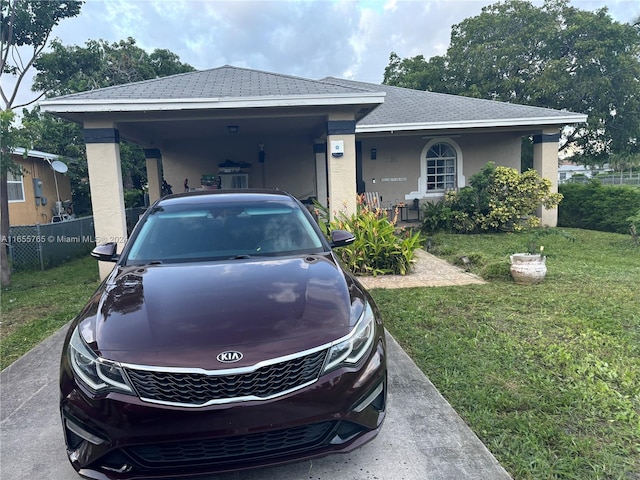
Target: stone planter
(527, 268)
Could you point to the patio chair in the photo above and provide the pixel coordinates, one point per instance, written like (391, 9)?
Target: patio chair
(373, 200)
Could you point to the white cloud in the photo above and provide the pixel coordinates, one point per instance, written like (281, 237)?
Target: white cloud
(308, 38)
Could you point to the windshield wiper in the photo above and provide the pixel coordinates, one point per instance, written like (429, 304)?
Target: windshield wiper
(144, 264)
(240, 257)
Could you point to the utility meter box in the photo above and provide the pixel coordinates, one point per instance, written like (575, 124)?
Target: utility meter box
(37, 187)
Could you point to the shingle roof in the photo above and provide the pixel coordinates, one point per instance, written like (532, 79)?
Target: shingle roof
(403, 108)
(222, 82)
(407, 106)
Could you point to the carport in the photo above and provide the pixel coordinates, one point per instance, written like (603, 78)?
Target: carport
(280, 131)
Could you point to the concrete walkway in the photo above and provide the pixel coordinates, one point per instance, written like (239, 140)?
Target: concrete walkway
(429, 271)
(423, 438)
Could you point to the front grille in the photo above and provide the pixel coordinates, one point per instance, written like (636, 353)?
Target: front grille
(195, 389)
(230, 449)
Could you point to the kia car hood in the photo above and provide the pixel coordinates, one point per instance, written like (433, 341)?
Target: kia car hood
(184, 315)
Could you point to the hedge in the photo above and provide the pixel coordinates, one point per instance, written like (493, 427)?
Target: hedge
(594, 206)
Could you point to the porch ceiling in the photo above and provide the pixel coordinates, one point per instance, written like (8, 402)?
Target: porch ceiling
(154, 131)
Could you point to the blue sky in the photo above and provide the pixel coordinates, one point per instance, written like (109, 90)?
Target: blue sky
(308, 38)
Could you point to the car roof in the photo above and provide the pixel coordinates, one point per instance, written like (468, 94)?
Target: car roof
(220, 196)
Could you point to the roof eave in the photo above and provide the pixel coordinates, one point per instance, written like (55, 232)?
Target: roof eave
(511, 122)
(79, 105)
(35, 153)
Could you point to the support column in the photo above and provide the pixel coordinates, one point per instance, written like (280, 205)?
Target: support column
(320, 151)
(154, 173)
(105, 182)
(342, 166)
(545, 162)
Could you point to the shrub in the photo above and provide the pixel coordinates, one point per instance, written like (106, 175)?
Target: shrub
(594, 206)
(133, 198)
(498, 199)
(497, 271)
(379, 247)
(437, 217)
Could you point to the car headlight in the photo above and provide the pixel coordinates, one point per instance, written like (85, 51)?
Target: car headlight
(98, 374)
(350, 349)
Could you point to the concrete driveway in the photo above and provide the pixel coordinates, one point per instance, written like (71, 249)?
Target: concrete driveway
(423, 438)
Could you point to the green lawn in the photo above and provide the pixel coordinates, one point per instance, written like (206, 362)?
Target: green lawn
(36, 304)
(548, 376)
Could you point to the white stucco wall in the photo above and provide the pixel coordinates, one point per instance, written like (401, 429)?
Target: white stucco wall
(396, 169)
(479, 149)
(289, 162)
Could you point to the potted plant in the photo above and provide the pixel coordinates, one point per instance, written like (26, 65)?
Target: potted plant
(209, 181)
(528, 268)
(531, 267)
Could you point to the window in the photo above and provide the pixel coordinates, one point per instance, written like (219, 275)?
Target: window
(15, 187)
(441, 167)
(236, 180)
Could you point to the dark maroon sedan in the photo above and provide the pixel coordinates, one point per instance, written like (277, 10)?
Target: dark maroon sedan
(226, 337)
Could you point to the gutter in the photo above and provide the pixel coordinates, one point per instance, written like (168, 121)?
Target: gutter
(464, 124)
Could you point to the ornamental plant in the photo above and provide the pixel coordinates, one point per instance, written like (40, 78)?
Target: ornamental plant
(500, 199)
(380, 247)
(534, 242)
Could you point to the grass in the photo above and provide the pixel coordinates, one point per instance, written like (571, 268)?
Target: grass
(36, 304)
(548, 375)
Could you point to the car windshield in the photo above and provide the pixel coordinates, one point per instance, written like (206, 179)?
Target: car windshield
(202, 232)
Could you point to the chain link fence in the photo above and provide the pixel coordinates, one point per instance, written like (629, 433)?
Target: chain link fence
(612, 179)
(43, 246)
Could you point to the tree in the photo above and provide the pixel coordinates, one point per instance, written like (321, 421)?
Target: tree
(25, 27)
(72, 69)
(554, 56)
(54, 135)
(27, 24)
(417, 73)
(7, 134)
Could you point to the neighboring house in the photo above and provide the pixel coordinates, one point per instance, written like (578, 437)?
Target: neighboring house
(328, 139)
(566, 170)
(33, 196)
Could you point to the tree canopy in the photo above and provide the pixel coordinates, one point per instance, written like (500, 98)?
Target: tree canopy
(72, 69)
(25, 27)
(27, 24)
(554, 56)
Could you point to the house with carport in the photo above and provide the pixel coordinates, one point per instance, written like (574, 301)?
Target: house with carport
(328, 139)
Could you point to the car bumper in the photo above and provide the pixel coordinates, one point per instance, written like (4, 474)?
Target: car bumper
(120, 437)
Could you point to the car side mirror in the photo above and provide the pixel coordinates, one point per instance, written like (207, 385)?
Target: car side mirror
(106, 252)
(341, 238)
